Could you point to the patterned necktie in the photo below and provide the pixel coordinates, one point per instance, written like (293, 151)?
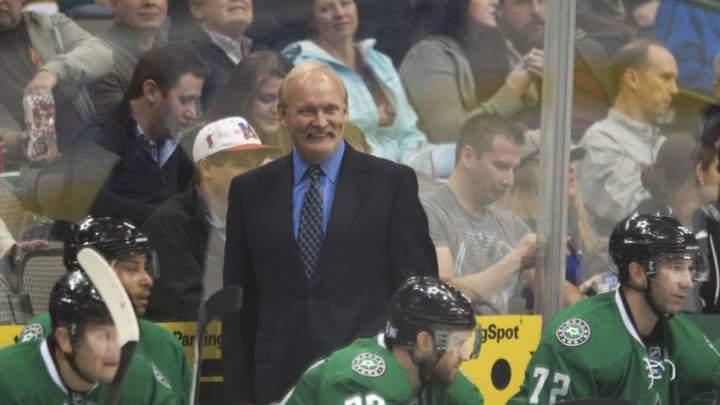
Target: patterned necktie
(310, 231)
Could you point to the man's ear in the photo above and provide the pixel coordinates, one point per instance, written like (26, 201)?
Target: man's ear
(203, 167)
(62, 337)
(113, 6)
(631, 78)
(699, 175)
(424, 344)
(468, 157)
(282, 115)
(151, 91)
(637, 275)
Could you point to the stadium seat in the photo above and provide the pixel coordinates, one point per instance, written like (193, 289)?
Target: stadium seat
(6, 313)
(11, 209)
(38, 273)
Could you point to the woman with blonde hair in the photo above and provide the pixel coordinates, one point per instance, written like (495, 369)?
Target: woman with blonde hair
(522, 200)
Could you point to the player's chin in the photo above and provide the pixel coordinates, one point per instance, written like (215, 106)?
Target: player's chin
(107, 374)
(447, 376)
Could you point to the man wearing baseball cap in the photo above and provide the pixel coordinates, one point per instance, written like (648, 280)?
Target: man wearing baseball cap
(188, 230)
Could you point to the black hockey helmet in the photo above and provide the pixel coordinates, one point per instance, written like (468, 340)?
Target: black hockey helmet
(648, 239)
(74, 300)
(428, 304)
(113, 238)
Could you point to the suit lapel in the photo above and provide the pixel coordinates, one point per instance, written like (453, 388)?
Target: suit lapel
(281, 186)
(351, 184)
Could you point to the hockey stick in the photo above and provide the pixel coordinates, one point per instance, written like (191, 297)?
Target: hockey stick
(121, 310)
(224, 301)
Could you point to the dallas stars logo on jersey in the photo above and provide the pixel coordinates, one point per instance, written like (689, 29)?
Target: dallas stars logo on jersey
(368, 364)
(31, 332)
(573, 332)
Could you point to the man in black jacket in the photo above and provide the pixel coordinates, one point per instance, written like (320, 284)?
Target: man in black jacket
(318, 240)
(126, 162)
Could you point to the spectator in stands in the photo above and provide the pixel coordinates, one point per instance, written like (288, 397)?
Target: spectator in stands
(52, 53)
(707, 162)
(625, 142)
(523, 23)
(477, 244)
(706, 220)
(672, 181)
(252, 92)
(302, 265)
(690, 32)
(126, 162)
(134, 261)
(522, 199)
(676, 191)
(188, 230)
(219, 38)
(377, 101)
(138, 26)
(454, 73)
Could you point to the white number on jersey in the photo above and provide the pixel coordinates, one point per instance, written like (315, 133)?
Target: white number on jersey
(542, 373)
(368, 399)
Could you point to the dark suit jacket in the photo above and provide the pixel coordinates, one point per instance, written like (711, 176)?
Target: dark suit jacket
(377, 236)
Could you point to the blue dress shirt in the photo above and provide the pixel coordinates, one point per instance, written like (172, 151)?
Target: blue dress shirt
(328, 181)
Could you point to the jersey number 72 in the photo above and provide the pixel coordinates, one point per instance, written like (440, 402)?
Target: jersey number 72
(560, 389)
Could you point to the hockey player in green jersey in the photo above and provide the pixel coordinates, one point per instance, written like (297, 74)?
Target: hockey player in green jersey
(81, 356)
(431, 330)
(129, 252)
(631, 344)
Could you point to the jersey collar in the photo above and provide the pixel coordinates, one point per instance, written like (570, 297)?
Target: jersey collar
(626, 318)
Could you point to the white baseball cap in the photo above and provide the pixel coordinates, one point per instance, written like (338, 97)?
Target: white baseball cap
(226, 135)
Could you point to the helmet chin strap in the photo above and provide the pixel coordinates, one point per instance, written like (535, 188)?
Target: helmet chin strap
(70, 358)
(424, 367)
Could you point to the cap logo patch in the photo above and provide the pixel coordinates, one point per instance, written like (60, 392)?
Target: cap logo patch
(368, 365)
(209, 140)
(248, 132)
(573, 332)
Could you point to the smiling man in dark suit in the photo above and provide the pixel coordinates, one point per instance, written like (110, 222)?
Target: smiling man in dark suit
(318, 240)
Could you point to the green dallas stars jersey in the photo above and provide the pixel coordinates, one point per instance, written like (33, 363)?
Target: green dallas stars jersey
(156, 344)
(28, 376)
(366, 373)
(592, 350)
